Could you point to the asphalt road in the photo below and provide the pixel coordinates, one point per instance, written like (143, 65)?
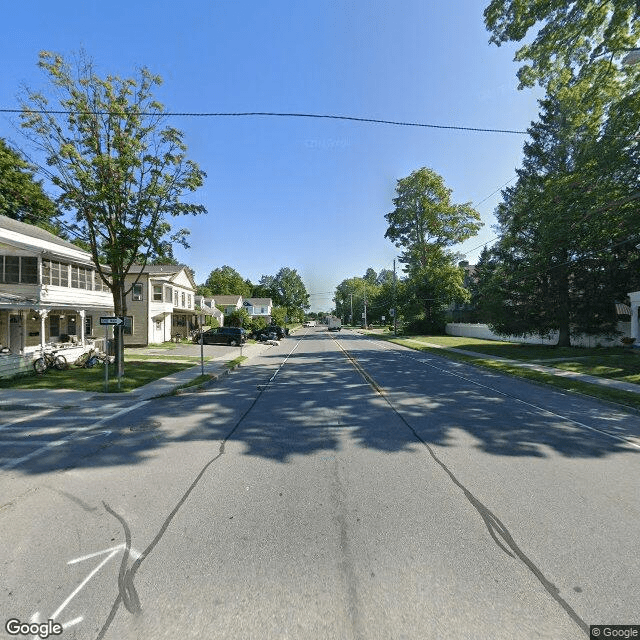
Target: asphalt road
(335, 487)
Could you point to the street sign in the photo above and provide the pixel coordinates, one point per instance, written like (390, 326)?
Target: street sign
(111, 320)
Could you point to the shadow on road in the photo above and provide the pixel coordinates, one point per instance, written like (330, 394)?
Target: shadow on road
(318, 394)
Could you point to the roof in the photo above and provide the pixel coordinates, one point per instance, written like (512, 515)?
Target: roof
(164, 270)
(227, 299)
(259, 302)
(35, 232)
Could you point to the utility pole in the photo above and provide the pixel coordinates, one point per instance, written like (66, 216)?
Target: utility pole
(365, 305)
(395, 307)
(351, 316)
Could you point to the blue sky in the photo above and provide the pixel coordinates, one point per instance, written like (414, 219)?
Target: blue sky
(310, 194)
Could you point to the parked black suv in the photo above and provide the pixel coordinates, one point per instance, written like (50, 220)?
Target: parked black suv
(233, 336)
(278, 332)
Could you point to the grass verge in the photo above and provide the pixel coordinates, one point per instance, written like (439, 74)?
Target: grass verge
(608, 394)
(137, 374)
(235, 362)
(196, 382)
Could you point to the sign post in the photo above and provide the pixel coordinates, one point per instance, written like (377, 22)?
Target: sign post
(201, 345)
(114, 321)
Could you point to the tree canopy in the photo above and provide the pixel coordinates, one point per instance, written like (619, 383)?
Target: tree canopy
(568, 230)
(22, 197)
(574, 42)
(120, 169)
(226, 280)
(424, 224)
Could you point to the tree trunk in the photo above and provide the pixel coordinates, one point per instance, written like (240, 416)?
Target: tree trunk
(120, 308)
(564, 315)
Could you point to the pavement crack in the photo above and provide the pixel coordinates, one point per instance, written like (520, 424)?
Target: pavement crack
(495, 526)
(127, 593)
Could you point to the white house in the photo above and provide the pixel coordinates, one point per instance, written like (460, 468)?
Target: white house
(229, 303)
(207, 307)
(50, 295)
(161, 304)
(259, 307)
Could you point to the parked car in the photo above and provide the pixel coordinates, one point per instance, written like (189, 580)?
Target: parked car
(272, 330)
(233, 336)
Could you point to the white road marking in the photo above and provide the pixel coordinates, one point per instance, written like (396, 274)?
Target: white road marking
(72, 623)
(628, 440)
(31, 416)
(112, 552)
(57, 443)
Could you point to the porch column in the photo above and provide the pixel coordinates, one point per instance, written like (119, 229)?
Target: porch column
(23, 331)
(635, 333)
(82, 313)
(43, 316)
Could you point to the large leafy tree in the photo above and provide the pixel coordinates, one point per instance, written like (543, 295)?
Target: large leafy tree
(425, 224)
(226, 280)
(287, 290)
(22, 197)
(567, 228)
(568, 42)
(120, 169)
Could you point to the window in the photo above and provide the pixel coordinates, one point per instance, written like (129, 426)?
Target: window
(136, 292)
(71, 325)
(54, 326)
(55, 273)
(64, 275)
(183, 296)
(127, 328)
(189, 301)
(29, 271)
(157, 293)
(12, 269)
(16, 269)
(74, 277)
(175, 298)
(88, 325)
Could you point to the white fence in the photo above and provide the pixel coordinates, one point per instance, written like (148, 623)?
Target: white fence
(483, 331)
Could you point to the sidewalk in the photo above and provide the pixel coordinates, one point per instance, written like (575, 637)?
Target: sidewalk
(50, 398)
(620, 385)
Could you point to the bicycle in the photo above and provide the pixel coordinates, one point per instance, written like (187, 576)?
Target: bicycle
(49, 360)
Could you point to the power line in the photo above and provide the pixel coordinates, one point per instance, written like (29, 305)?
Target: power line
(272, 114)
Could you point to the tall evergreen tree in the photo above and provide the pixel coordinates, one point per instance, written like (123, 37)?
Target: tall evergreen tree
(562, 261)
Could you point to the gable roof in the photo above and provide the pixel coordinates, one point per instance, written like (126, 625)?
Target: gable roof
(235, 300)
(259, 302)
(170, 270)
(35, 232)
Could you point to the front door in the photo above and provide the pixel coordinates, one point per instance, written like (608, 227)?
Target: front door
(15, 333)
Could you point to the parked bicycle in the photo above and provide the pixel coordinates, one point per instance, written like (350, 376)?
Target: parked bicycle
(50, 360)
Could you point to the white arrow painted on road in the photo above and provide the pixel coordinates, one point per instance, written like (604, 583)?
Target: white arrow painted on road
(110, 553)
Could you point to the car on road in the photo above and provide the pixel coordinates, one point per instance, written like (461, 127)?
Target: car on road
(233, 336)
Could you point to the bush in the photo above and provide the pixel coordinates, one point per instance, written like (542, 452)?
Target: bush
(255, 324)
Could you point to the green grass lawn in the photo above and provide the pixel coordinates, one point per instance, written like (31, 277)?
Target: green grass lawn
(617, 363)
(137, 374)
(525, 352)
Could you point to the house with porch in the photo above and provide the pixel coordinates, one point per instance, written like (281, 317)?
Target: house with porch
(50, 296)
(161, 304)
